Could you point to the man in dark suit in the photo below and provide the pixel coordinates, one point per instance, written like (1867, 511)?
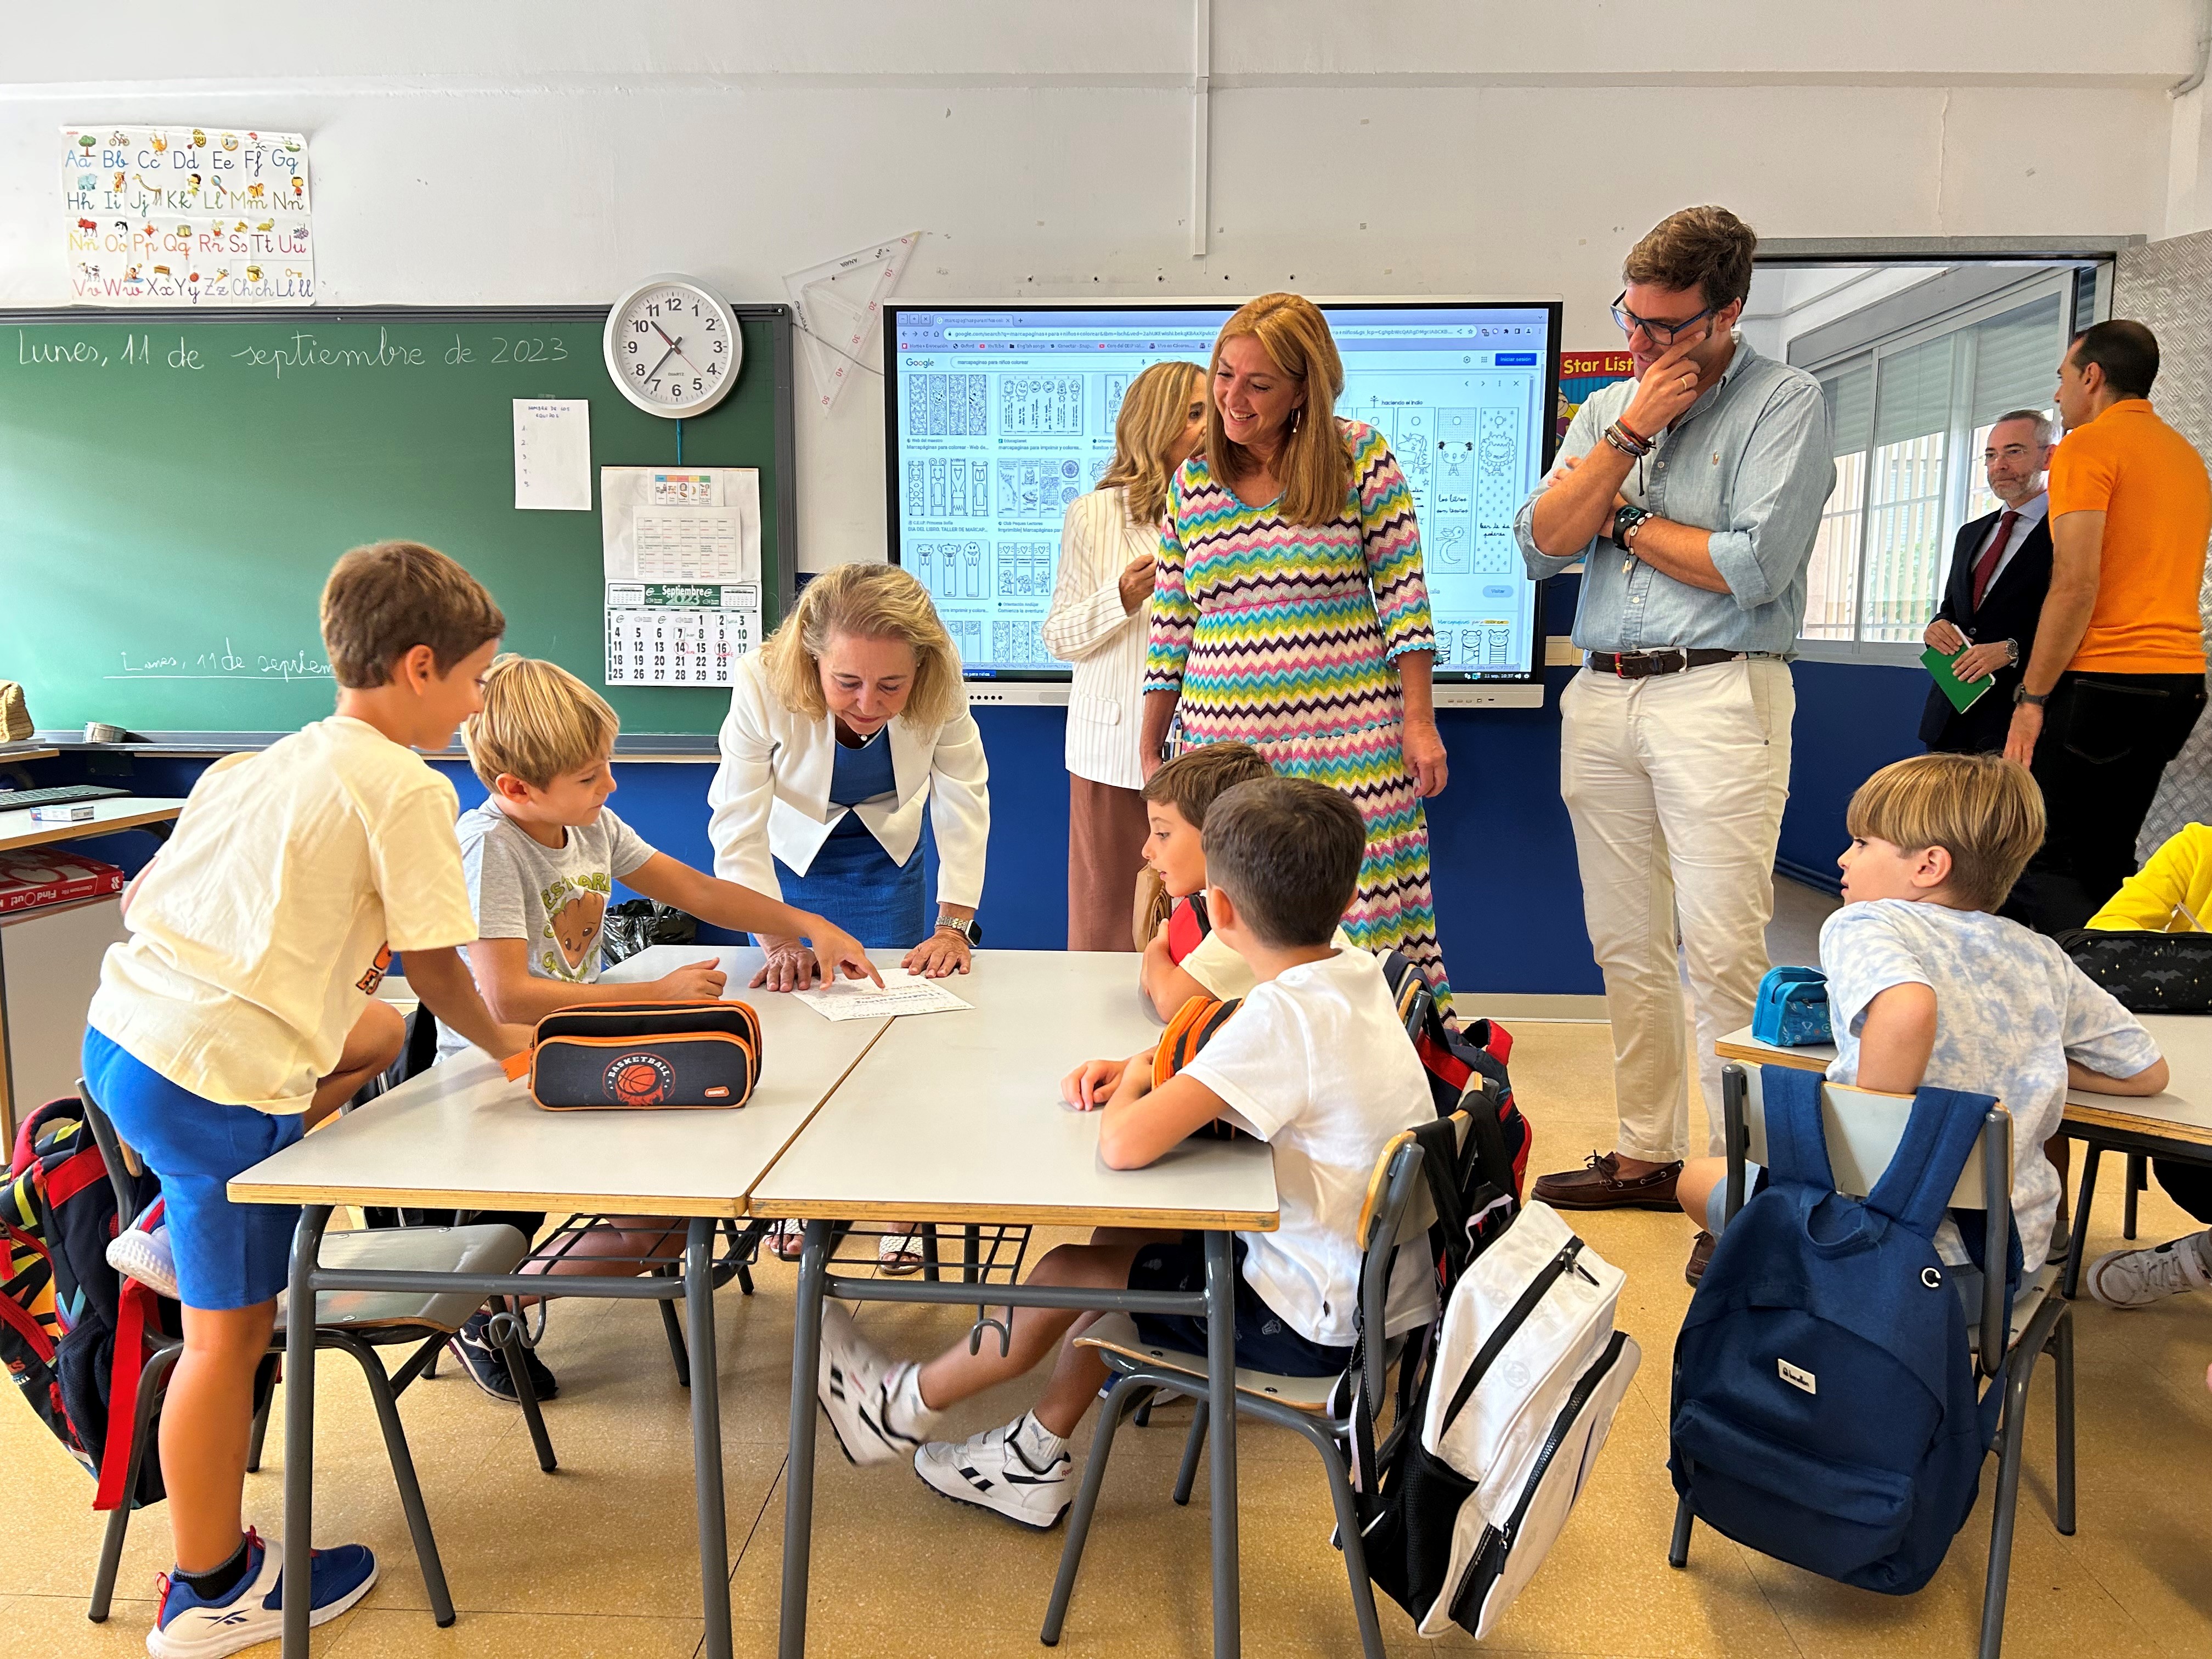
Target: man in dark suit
(1999, 572)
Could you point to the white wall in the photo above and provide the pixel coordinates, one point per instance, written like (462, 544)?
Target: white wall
(550, 152)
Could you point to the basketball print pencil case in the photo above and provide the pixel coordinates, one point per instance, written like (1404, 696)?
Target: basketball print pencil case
(638, 1056)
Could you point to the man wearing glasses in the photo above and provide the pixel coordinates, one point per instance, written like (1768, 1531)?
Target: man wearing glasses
(2000, 571)
(1693, 494)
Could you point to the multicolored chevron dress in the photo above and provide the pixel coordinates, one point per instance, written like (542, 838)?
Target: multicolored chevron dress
(1284, 636)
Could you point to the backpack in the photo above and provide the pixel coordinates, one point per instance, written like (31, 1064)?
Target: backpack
(73, 1330)
(1456, 1060)
(1825, 1408)
(1513, 1402)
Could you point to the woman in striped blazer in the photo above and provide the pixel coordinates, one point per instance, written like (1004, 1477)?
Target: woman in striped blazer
(1107, 546)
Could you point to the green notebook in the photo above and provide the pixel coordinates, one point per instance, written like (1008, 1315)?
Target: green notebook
(1963, 693)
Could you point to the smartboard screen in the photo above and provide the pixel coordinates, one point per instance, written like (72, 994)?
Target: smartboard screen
(998, 416)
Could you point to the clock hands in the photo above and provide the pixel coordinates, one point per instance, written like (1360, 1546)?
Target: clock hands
(675, 345)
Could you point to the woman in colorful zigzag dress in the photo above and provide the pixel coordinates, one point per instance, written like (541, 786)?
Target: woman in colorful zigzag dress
(1289, 609)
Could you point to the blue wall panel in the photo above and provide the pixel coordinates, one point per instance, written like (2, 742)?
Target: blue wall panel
(1853, 720)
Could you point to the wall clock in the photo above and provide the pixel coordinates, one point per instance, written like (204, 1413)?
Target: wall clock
(673, 346)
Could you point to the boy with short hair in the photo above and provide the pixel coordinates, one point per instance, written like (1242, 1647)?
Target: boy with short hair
(255, 942)
(1183, 958)
(1925, 985)
(541, 857)
(1315, 1062)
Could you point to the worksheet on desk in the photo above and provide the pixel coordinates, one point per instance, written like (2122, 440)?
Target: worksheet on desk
(903, 994)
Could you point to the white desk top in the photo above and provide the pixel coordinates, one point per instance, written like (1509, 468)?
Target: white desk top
(957, 1117)
(109, 814)
(462, 1135)
(2183, 1112)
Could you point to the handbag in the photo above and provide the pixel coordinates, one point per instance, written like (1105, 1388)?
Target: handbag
(638, 1056)
(1792, 1009)
(2147, 973)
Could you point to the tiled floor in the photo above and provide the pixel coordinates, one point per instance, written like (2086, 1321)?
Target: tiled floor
(599, 1558)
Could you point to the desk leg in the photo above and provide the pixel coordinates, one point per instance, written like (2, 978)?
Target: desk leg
(707, 1437)
(299, 1429)
(2081, 1241)
(1221, 1377)
(799, 1470)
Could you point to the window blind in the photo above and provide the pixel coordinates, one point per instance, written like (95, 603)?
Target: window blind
(1915, 393)
(2016, 360)
(1850, 394)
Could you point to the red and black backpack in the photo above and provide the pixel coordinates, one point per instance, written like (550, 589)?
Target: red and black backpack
(1455, 1059)
(63, 1307)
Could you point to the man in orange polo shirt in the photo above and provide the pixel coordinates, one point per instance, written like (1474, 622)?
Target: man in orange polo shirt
(2117, 678)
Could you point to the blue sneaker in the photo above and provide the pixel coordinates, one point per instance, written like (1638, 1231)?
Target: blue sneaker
(188, 1627)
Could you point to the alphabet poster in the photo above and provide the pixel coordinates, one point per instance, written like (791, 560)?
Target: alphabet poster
(186, 216)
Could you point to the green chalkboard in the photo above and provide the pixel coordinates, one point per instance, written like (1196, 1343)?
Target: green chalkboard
(174, 488)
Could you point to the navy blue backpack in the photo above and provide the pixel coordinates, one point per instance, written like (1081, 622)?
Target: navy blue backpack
(1827, 1408)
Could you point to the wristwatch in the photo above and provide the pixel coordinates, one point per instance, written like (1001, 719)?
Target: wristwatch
(2012, 653)
(2021, 694)
(1624, 521)
(966, 928)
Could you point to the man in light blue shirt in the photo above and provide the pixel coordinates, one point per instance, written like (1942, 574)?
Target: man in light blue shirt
(1693, 494)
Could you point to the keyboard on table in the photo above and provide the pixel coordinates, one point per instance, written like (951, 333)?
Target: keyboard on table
(16, 800)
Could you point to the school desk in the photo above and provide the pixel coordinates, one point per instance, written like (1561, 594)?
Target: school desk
(956, 1118)
(462, 1136)
(54, 951)
(2176, 1124)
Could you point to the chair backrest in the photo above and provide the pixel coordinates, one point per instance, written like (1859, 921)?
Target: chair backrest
(122, 1163)
(1397, 1212)
(1863, 1128)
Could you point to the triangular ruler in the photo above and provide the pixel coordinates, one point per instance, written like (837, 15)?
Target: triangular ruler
(838, 305)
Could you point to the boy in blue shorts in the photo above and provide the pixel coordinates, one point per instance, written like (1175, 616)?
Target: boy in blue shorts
(256, 941)
(1315, 1061)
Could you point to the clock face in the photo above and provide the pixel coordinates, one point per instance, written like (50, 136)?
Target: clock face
(674, 347)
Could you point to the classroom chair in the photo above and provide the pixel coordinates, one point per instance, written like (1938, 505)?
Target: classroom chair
(1862, 1129)
(356, 1323)
(1325, 1410)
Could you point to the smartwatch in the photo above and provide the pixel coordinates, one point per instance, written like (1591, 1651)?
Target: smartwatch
(967, 929)
(2021, 694)
(1625, 521)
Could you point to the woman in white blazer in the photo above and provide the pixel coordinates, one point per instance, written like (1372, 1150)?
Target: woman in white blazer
(848, 724)
(1107, 545)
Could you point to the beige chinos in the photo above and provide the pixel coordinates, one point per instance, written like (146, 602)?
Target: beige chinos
(1675, 785)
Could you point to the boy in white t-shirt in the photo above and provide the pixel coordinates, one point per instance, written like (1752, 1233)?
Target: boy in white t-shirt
(256, 941)
(1926, 986)
(1315, 1061)
(541, 857)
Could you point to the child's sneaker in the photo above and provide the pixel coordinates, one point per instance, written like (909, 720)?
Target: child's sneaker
(486, 1363)
(143, 1253)
(2135, 1278)
(995, 1471)
(187, 1627)
(862, 1391)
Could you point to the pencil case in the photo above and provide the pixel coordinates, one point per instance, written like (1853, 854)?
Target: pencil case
(1792, 1009)
(2147, 973)
(640, 1056)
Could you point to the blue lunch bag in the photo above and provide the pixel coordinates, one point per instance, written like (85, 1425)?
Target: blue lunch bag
(1792, 1009)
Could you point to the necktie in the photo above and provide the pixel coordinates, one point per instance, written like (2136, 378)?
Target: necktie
(1985, 567)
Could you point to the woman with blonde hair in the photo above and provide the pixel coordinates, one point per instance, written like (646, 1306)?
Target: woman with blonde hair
(848, 723)
(1108, 542)
(1290, 612)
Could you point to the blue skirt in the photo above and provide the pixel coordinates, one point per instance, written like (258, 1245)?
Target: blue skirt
(853, 883)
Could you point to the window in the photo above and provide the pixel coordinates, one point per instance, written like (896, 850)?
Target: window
(1908, 417)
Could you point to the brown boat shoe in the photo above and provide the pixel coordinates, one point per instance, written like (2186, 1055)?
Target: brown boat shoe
(1597, 1185)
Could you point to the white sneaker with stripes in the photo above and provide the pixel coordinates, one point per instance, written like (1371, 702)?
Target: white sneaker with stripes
(993, 1473)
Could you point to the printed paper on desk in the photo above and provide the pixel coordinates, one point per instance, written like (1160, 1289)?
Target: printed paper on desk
(903, 994)
(553, 454)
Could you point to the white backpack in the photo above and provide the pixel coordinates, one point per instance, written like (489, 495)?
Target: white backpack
(1527, 1375)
